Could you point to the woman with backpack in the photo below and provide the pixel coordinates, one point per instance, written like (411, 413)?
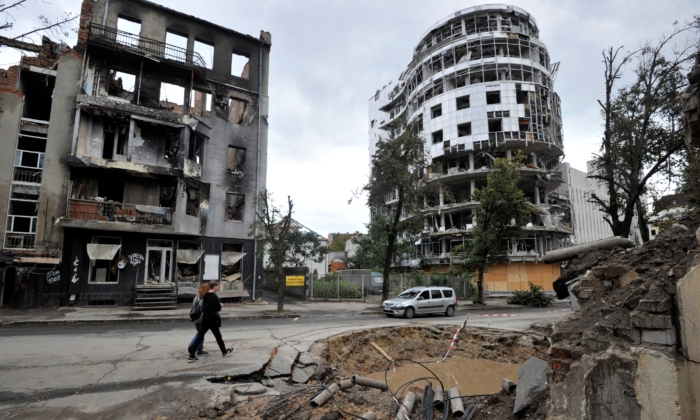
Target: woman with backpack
(195, 315)
(210, 319)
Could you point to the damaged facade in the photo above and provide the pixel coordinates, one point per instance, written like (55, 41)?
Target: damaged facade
(137, 157)
(481, 86)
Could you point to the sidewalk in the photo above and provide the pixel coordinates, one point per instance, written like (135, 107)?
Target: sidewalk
(232, 312)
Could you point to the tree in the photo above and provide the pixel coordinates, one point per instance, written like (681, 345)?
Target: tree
(397, 177)
(643, 135)
(58, 28)
(501, 214)
(286, 242)
(371, 253)
(338, 243)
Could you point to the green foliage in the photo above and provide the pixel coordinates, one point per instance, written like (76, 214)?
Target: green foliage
(286, 243)
(534, 297)
(338, 243)
(499, 218)
(371, 253)
(328, 288)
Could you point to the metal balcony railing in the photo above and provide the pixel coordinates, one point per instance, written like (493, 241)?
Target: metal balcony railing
(119, 212)
(145, 46)
(19, 240)
(33, 177)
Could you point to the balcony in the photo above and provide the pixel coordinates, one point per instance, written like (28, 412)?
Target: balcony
(119, 212)
(114, 38)
(19, 240)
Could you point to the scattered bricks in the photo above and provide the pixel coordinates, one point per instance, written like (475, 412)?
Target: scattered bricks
(632, 334)
(628, 278)
(664, 337)
(655, 305)
(560, 353)
(644, 320)
(560, 366)
(633, 299)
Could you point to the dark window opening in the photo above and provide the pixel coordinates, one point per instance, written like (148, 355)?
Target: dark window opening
(38, 92)
(493, 98)
(464, 129)
(495, 125)
(172, 144)
(240, 65)
(188, 269)
(116, 140)
(195, 153)
(105, 271)
(371, 124)
(231, 266)
(236, 159)
(235, 204)
(24, 208)
(521, 97)
(192, 205)
(111, 189)
(524, 125)
(463, 102)
(436, 111)
(653, 231)
(437, 136)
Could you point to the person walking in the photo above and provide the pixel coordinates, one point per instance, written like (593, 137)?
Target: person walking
(211, 306)
(195, 316)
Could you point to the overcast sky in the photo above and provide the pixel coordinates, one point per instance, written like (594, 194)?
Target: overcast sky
(328, 57)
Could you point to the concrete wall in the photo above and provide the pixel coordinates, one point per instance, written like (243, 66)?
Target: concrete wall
(11, 106)
(588, 221)
(56, 172)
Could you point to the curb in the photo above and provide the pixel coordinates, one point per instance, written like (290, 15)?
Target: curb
(132, 321)
(484, 308)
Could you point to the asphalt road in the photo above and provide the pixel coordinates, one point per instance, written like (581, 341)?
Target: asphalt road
(82, 371)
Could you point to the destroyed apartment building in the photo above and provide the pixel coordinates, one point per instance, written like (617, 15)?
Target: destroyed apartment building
(136, 158)
(480, 86)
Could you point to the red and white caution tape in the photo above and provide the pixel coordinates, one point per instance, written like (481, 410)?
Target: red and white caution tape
(527, 313)
(454, 339)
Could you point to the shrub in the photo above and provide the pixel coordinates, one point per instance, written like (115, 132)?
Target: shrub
(534, 297)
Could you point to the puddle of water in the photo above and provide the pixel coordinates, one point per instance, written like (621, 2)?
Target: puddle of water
(471, 376)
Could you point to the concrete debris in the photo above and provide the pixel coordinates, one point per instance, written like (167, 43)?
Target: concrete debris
(679, 226)
(253, 388)
(299, 376)
(565, 254)
(542, 327)
(282, 361)
(305, 359)
(532, 379)
(508, 385)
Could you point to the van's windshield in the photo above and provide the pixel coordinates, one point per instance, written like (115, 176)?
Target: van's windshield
(409, 294)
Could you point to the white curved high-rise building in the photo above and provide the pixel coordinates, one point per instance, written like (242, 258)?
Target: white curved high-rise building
(481, 86)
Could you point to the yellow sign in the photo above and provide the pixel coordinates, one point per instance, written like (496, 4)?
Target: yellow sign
(295, 281)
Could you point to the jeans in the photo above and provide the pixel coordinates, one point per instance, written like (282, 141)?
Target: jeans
(194, 339)
(206, 326)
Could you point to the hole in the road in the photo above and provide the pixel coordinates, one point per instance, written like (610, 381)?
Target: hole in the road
(256, 376)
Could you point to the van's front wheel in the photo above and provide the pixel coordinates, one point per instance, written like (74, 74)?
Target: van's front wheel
(450, 311)
(408, 313)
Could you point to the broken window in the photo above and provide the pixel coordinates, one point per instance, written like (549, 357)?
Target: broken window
(235, 204)
(159, 257)
(371, 124)
(104, 259)
(236, 110)
(240, 65)
(232, 266)
(493, 98)
(495, 125)
(196, 152)
(131, 26)
(436, 111)
(200, 104)
(172, 97)
(464, 129)
(463, 102)
(179, 41)
(115, 142)
(524, 125)
(188, 258)
(437, 136)
(236, 160)
(192, 205)
(120, 84)
(206, 50)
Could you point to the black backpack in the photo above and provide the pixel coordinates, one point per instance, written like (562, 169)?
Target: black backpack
(196, 311)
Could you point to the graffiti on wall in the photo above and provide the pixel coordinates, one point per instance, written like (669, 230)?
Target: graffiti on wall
(136, 259)
(75, 271)
(53, 276)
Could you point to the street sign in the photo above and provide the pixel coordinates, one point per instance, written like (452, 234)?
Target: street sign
(295, 281)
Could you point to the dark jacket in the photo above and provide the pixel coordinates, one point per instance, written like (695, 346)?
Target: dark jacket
(211, 308)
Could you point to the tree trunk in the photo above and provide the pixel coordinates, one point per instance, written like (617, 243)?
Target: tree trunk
(281, 282)
(643, 227)
(480, 286)
(387, 266)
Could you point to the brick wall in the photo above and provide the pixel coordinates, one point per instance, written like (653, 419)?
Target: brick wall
(84, 28)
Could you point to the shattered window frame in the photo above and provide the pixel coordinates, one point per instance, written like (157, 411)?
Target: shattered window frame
(228, 270)
(235, 63)
(235, 161)
(235, 206)
(192, 197)
(464, 129)
(436, 111)
(110, 265)
(190, 245)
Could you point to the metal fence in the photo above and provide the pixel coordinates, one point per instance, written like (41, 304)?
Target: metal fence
(400, 282)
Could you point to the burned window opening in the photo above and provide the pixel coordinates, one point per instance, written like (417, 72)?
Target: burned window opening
(495, 125)
(200, 104)
(235, 204)
(105, 271)
(232, 266)
(178, 40)
(172, 97)
(196, 152)
(38, 93)
(493, 98)
(436, 111)
(206, 51)
(240, 65)
(115, 141)
(188, 263)
(237, 109)
(129, 25)
(193, 200)
(236, 160)
(437, 136)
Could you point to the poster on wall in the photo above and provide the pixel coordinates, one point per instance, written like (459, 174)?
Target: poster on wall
(211, 267)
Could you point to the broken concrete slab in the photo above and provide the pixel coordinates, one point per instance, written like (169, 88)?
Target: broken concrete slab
(305, 359)
(632, 300)
(664, 337)
(655, 304)
(628, 278)
(282, 361)
(645, 320)
(252, 388)
(656, 386)
(632, 334)
(689, 313)
(508, 385)
(299, 376)
(542, 327)
(532, 379)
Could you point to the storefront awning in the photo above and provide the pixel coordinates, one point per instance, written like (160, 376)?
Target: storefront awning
(189, 256)
(231, 258)
(102, 251)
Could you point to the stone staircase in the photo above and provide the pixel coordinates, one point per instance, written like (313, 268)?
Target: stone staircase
(150, 296)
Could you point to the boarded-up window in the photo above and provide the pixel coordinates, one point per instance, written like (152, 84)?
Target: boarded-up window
(236, 159)
(235, 204)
